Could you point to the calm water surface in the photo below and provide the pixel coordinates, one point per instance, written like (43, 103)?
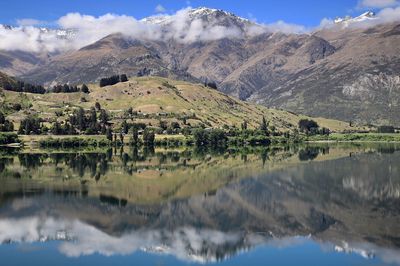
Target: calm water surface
(307, 205)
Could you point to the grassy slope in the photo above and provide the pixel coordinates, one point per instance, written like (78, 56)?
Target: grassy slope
(6, 79)
(154, 95)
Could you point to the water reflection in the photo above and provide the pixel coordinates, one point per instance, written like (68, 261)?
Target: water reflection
(205, 206)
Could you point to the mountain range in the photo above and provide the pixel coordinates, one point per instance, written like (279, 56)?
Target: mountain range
(349, 70)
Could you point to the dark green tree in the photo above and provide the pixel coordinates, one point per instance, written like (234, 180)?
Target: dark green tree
(244, 125)
(200, 137)
(7, 126)
(308, 126)
(109, 134)
(129, 112)
(2, 118)
(85, 89)
(135, 136)
(121, 137)
(264, 124)
(56, 129)
(148, 137)
(124, 127)
(30, 125)
(92, 116)
(103, 116)
(124, 78)
(81, 119)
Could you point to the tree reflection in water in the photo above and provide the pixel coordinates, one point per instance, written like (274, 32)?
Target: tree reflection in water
(202, 205)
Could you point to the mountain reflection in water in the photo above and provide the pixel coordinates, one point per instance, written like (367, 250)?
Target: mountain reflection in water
(204, 206)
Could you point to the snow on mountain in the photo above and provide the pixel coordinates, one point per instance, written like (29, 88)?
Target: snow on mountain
(346, 248)
(205, 13)
(60, 33)
(348, 20)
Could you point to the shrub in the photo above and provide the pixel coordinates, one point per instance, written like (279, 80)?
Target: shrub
(124, 78)
(213, 137)
(85, 89)
(308, 126)
(386, 129)
(8, 138)
(30, 126)
(148, 137)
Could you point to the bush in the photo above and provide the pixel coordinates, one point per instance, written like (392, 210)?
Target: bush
(8, 138)
(5, 125)
(30, 126)
(386, 129)
(212, 85)
(124, 78)
(85, 89)
(72, 143)
(17, 107)
(213, 137)
(148, 137)
(169, 142)
(308, 126)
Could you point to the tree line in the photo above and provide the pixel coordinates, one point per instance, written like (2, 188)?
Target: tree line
(66, 88)
(21, 86)
(113, 80)
(91, 122)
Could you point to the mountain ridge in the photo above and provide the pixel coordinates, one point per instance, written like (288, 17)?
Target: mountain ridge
(324, 72)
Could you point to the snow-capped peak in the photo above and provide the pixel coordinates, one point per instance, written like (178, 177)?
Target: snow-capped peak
(193, 13)
(202, 11)
(60, 33)
(369, 15)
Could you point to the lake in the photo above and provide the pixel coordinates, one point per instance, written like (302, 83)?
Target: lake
(336, 204)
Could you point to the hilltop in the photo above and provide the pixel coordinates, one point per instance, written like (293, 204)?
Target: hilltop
(156, 99)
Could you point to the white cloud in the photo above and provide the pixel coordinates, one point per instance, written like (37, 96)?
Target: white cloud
(282, 26)
(29, 39)
(389, 14)
(160, 9)
(326, 23)
(89, 29)
(181, 26)
(184, 243)
(377, 3)
(385, 15)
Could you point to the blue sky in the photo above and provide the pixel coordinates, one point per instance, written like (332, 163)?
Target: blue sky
(306, 12)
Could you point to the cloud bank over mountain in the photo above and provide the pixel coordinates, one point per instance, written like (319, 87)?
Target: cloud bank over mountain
(185, 26)
(78, 239)
(377, 3)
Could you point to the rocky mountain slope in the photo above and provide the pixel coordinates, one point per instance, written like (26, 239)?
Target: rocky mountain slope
(348, 71)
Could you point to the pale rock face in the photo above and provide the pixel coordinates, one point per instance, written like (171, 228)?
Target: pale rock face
(369, 87)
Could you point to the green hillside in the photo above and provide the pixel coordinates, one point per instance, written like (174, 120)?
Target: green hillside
(155, 99)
